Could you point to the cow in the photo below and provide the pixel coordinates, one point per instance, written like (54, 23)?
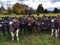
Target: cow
(59, 27)
(1, 24)
(45, 22)
(54, 26)
(14, 28)
(5, 25)
(22, 24)
(30, 23)
(38, 25)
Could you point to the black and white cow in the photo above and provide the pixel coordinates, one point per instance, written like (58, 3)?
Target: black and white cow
(58, 27)
(54, 26)
(1, 24)
(38, 25)
(4, 25)
(14, 28)
(44, 22)
(23, 25)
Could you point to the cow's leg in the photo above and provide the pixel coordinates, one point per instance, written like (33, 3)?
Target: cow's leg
(52, 32)
(12, 34)
(8, 30)
(3, 32)
(59, 33)
(39, 31)
(17, 32)
(56, 33)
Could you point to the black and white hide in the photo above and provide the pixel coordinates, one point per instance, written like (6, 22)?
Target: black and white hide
(14, 28)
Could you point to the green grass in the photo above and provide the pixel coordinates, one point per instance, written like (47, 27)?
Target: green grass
(35, 15)
(43, 39)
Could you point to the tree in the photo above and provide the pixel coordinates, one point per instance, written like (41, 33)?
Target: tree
(9, 10)
(40, 9)
(30, 11)
(15, 8)
(18, 8)
(45, 11)
(55, 10)
(26, 9)
(2, 9)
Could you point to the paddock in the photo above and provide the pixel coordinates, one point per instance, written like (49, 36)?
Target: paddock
(32, 39)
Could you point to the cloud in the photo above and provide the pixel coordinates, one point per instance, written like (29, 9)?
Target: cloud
(55, 0)
(47, 4)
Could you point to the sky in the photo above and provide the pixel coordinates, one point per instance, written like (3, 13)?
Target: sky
(47, 4)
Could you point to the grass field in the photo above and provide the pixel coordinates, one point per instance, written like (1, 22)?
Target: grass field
(43, 39)
(14, 15)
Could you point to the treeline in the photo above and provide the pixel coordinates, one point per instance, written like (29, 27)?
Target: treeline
(40, 9)
(17, 9)
(24, 9)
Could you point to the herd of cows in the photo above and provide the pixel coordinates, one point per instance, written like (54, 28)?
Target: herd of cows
(30, 24)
